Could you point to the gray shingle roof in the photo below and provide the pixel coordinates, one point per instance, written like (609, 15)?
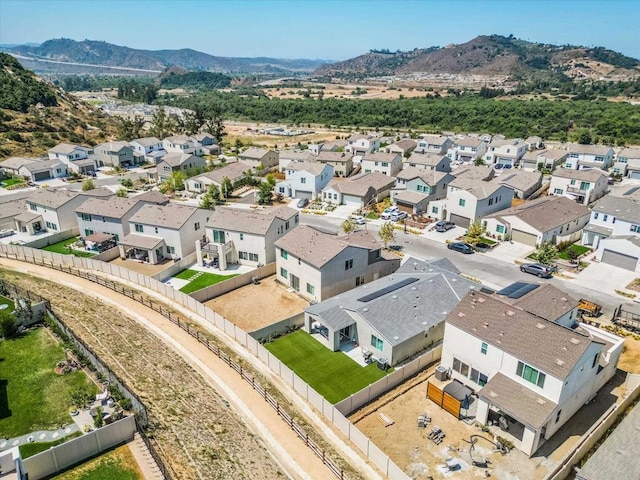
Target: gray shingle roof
(548, 346)
(409, 196)
(177, 159)
(146, 141)
(427, 159)
(141, 241)
(380, 157)
(589, 149)
(63, 148)
(42, 165)
(622, 208)
(405, 312)
(546, 302)
(52, 198)
(248, 221)
(519, 179)
(14, 163)
(254, 153)
(629, 153)
(233, 171)
(313, 168)
(592, 175)
(406, 144)
(328, 156)
(297, 155)
(170, 216)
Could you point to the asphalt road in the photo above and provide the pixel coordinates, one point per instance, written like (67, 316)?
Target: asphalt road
(493, 273)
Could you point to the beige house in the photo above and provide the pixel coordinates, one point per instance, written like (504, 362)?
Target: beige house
(179, 162)
(200, 183)
(402, 148)
(359, 191)
(342, 162)
(259, 158)
(583, 186)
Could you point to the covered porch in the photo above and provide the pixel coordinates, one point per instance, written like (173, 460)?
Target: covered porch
(218, 255)
(142, 248)
(592, 234)
(30, 223)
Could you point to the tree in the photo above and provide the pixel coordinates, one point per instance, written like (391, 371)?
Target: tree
(475, 231)
(585, 137)
(162, 125)
(190, 123)
(174, 183)
(8, 324)
(348, 226)
(226, 187)
(128, 129)
(98, 421)
(88, 185)
(387, 233)
(214, 125)
(207, 202)
(271, 180)
(122, 193)
(265, 193)
(478, 162)
(547, 253)
(126, 182)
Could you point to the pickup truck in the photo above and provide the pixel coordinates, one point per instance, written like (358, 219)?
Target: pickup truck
(587, 307)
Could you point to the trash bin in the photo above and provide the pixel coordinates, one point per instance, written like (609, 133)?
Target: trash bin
(382, 364)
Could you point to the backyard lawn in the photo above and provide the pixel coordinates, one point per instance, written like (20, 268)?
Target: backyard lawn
(332, 374)
(7, 301)
(578, 249)
(9, 182)
(62, 247)
(30, 449)
(32, 395)
(200, 279)
(117, 464)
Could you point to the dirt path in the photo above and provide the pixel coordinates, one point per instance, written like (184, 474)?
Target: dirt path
(201, 435)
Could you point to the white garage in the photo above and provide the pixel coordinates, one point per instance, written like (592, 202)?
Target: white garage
(621, 252)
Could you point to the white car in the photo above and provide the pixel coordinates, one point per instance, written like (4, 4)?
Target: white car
(387, 215)
(395, 216)
(358, 219)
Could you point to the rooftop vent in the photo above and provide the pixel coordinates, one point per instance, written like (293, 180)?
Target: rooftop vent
(575, 341)
(541, 326)
(481, 300)
(541, 401)
(560, 362)
(493, 394)
(461, 314)
(486, 324)
(511, 313)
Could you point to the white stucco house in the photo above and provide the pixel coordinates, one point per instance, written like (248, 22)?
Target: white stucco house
(466, 149)
(360, 144)
(43, 170)
(436, 144)
(183, 144)
(342, 162)
(505, 152)
(285, 157)
(150, 148)
(403, 147)
(531, 374)
(584, 157)
(549, 159)
(179, 162)
(246, 237)
(429, 161)
(305, 180)
(415, 188)
(360, 190)
(319, 265)
(584, 186)
(386, 163)
(75, 157)
(628, 163)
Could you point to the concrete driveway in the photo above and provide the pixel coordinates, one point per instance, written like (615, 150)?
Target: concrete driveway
(442, 237)
(606, 278)
(510, 251)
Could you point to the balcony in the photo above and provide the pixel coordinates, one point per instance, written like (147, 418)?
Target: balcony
(215, 249)
(579, 190)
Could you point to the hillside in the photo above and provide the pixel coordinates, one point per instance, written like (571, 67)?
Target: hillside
(35, 115)
(102, 54)
(493, 55)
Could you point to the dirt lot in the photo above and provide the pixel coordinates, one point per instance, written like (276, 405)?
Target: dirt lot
(255, 306)
(334, 90)
(143, 268)
(630, 358)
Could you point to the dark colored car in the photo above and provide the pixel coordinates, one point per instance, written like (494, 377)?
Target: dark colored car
(498, 166)
(443, 226)
(542, 271)
(303, 202)
(460, 247)
(482, 247)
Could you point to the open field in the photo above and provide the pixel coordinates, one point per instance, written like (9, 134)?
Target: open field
(202, 280)
(64, 248)
(333, 375)
(117, 464)
(37, 397)
(347, 90)
(255, 306)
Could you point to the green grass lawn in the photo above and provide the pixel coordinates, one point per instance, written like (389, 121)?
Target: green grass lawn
(12, 181)
(332, 374)
(32, 395)
(61, 247)
(204, 280)
(30, 449)
(579, 249)
(7, 301)
(117, 464)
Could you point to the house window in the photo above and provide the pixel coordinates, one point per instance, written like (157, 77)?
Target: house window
(635, 228)
(557, 191)
(218, 236)
(348, 264)
(377, 343)
(296, 219)
(197, 226)
(139, 228)
(530, 374)
(359, 280)
(311, 290)
(171, 250)
(500, 228)
(595, 216)
(483, 348)
(385, 164)
(295, 282)
(284, 254)
(605, 218)
(558, 415)
(155, 229)
(86, 217)
(584, 185)
(462, 202)
(460, 367)
(87, 232)
(479, 378)
(303, 180)
(242, 236)
(595, 360)
(33, 207)
(490, 201)
(434, 209)
(286, 225)
(284, 273)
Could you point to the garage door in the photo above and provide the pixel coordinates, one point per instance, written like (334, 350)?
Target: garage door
(300, 195)
(352, 200)
(460, 221)
(404, 207)
(41, 176)
(524, 237)
(619, 260)
(634, 175)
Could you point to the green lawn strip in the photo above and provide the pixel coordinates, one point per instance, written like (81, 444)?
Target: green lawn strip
(12, 181)
(332, 374)
(7, 301)
(117, 464)
(62, 247)
(37, 397)
(204, 280)
(30, 449)
(579, 249)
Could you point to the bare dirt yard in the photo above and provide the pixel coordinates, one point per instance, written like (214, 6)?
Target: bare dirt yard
(256, 306)
(630, 358)
(140, 267)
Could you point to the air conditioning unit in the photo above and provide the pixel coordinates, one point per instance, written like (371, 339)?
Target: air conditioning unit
(441, 373)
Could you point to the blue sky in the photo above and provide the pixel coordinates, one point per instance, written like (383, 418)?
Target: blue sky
(319, 28)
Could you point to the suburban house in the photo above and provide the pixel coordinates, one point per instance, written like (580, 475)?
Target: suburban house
(394, 317)
(531, 375)
(259, 158)
(628, 163)
(334, 146)
(546, 219)
(547, 159)
(242, 236)
(523, 183)
(150, 148)
(111, 215)
(178, 162)
(429, 161)
(320, 265)
(472, 196)
(402, 148)
(386, 163)
(43, 170)
(288, 156)
(415, 188)
(466, 149)
(437, 144)
(583, 186)
(584, 157)
(505, 152)
(360, 190)
(12, 165)
(75, 157)
(342, 162)
(359, 144)
(534, 142)
(182, 144)
(200, 183)
(160, 232)
(207, 142)
(115, 154)
(305, 180)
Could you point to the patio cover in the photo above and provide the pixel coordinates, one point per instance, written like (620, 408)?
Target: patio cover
(141, 241)
(27, 217)
(98, 237)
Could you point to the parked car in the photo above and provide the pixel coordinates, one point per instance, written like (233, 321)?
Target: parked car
(303, 202)
(396, 216)
(482, 246)
(358, 219)
(506, 166)
(460, 247)
(386, 215)
(498, 166)
(443, 226)
(542, 271)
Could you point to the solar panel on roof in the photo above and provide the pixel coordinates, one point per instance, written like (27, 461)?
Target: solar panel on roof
(528, 287)
(509, 289)
(631, 191)
(391, 288)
